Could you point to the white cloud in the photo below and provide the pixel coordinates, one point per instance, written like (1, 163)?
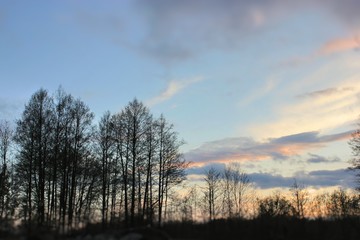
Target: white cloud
(323, 101)
(173, 88)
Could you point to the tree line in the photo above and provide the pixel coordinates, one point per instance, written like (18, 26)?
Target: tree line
(66, 171)
(230, 194)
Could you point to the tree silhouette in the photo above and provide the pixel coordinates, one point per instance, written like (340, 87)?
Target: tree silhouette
(355, 161)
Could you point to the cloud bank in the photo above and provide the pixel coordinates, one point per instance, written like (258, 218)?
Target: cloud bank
(320, 178)
(246, 149)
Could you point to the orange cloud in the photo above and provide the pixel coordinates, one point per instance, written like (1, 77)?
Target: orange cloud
(339, 45)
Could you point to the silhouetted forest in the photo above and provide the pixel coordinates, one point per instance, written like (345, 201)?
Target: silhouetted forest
(63, 175)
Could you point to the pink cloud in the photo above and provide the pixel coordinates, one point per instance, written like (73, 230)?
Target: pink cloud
(246, 149)
(340, 45)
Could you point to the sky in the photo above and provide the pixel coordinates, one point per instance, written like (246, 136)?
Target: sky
(270, 84)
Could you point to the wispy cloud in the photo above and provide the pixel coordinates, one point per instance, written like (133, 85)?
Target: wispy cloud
(246, 149)
(314, 158)
(329, 92)
(173, 88)
(339, 45)
(335, 105)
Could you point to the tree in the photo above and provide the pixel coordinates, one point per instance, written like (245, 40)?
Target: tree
(106, 143)
(6, 134)
(299, 199)
(170, 163)
(235, 187)
(59, 155)
(54, 142)
(135, 118)
(211, 192)
(342, 204)
(275, 206)
(34, 140)
(355, 161)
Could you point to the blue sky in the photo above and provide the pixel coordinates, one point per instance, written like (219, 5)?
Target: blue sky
(271, 84)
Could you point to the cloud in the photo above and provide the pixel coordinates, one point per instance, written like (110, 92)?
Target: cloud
(173, 88)
(314, 158)
(335, 104)
(310, 137)
(181, 30)
(346, 11)
(178, 31)
(263, 180)
(328, 92)
(323, 178)
(246, 149)
(197, 170)
(340, 45)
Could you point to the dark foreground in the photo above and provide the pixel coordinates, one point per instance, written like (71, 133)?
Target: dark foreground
(267, 229)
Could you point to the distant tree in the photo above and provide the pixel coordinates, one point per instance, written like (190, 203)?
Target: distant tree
(355, 161)
(235, 184)
(6, 135)
(317, 206)
(193, 201)
(275, 206)
(342, 204)
(299, 199)
(211, 192)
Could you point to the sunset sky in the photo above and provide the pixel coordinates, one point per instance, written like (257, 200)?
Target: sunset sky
(270, 84)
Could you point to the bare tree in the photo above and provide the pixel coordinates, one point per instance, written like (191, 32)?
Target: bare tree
(33, 137)
(170, 163)
(211, 192)
(136, 116)
(236, 184)
(6, 134)
(60, 155)
(299, 198)
(106, 143)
